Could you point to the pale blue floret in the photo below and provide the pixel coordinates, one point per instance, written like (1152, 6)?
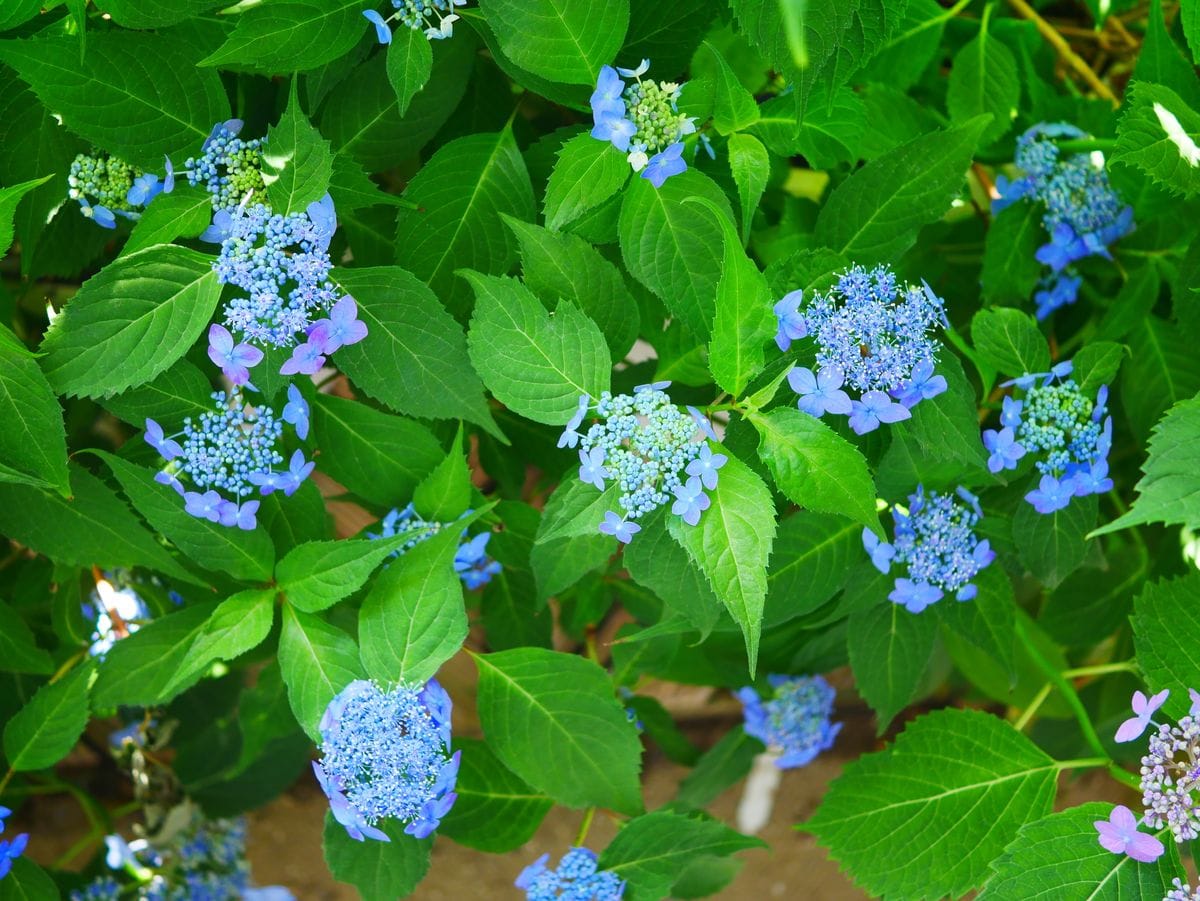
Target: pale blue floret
(474, 567)
(575, 879)
(793, 721)
(434, 18)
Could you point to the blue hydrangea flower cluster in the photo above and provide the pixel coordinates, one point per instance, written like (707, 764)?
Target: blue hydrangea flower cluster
(871, 335)
(1182, 891)
(386, 754)
(474, 567)
(118, 612)
(575, 879)
(935, 543)
(642, 120)
(10, 849)
(230, 453)
(652, 449)
(793, 722)
(1083, 214)
(106, 187)
(434, 17)
(1062, 429)
(229, 168)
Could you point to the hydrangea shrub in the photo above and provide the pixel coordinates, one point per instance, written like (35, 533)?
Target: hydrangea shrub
(404, 396)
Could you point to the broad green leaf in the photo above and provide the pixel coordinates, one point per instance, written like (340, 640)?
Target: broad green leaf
(656, 561)
(751, 166)
(875, 214)
(1096, 364)
(988, 621)
(1057, 858)
(557, 265)
(444, 494)
(180, 391)
(1162, 62)
(130, 321)
(531, 700)
(27, 881)
(889, 653)
(829, 135)
(291, 35)
(650, 851)
(9, 198)
(138, 670)
(19, 652)
(45, 730)
(1008, 340)
(496, 811)
(460, 194)
(811, 561)
(733, 106)
(936, 780)
(731, 545)
(318, 660)
(1091, 604)
(409, 64)
(588, 172)
(535, 363)
(946, 427)
(33, 440)
(184, 213)
(815, 467)
(297, 161)
(1053, 545)
(1166, 629)
(155, 13)
(562, 40)
(317, 574)
(906, 55)
(576, 508)
(139, 96)
(381, 871)
(1163, 369)
(1010, 267)
(667, 32)
(239, 624)
(1189, 19)
(18, 12)
(982, 80)
(675, 248)
(558, 565)
(718, 768)
(243, 555)
(414, 358)
(1158, 134)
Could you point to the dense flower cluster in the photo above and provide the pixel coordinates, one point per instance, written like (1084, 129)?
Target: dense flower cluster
(231, 453)
(871, 335)
(652, 449)
(474, 567)
(10, 849)
(794, 721)
(1083, 214)
(935, 544)
(1062, 429)
(575, 879)
(205, 861)
(642, 120)
(117, 612)
(386, 754)
(229, 168)
(1182, 891)
(434, 17)
(107, 187)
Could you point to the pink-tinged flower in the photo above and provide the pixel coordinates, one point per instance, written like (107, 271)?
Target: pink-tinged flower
(1119, 834)
(1143, 709)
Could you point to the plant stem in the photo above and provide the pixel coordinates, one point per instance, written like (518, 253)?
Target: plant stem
(1069, 56)
(1038, 700)
(581, 837)
(1125, 666)
(1081, 763)
(1086, 145)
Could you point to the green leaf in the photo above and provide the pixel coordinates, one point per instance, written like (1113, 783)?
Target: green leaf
(1010, 268)
(811, 561)
(987, 621)
(130, 321)
(1161, 61)
(414, 358)
(557, 265)
(751, 166)
(733, 106)
(291, 35)
(588, 172)
(184, 213)
(1166, 627)
(934, 780)
(179, 392)
(496, 811)
(1057, 858)
(558, 565)
(675, 248)
(460, 194)
(532, 699)
(1158, 134)
(243, 555)
(816, 467)
(889, 653)
(138, 669)
(946, 427)
(45, 730)
(731, 545)
(576, 508)
(875, 214)
(535, 363)
(381, 871)
(239, 624)
(317, 574)
(562, 40)
(19, 652)
(650, 851)
(982, 80)
(1008, 340)
(656, 561)
(1053, 545)
(356, 441)
(725, 763)
(444, 494)
(409, 64)
(829, 135)
(1163, 369)
(9, 198)
(318, 660)
(33, 441)
(27, 881)
(92, 528)
(139, 96)
(297, 161)
(1096, 364)
(155, 13)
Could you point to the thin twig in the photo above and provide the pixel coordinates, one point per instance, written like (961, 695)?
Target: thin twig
(1069, 56)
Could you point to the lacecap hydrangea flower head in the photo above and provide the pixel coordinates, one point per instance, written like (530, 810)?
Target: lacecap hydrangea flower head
(575, 879)
(793, 720)
(642, 119)
(1066, 433)
(474, 567)
(231, 454)
(385, 754)
(654, 451)
(872, 336)
(934, 548)
(1082, 215)
(106, 187)
(229, 168)
(434, 17)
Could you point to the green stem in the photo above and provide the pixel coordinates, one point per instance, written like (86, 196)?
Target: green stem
(1122, 775)
(1038, 700)
(584, 827)
(1081, 763)
(1125, 666)
(1087, 145)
